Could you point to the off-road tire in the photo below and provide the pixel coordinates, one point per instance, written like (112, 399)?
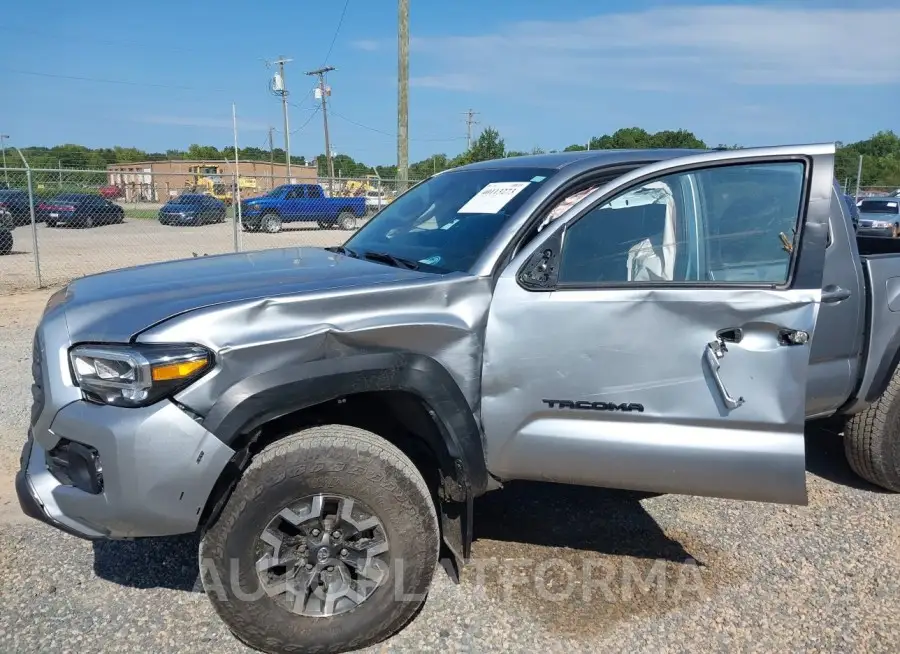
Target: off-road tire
(334, 459)
(872, 439)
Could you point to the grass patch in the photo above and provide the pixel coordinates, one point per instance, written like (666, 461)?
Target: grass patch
(142, 214)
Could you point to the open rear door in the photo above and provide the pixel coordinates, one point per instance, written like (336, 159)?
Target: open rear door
(657, 336)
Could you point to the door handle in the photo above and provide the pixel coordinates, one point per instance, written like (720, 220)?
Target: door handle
(715, 350)
(833, 293)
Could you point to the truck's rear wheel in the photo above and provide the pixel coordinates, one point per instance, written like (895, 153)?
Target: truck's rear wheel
(872, 439)
(332, 536)
(347, 220)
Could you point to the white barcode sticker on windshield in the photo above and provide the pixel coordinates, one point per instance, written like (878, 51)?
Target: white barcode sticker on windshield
(493, 197)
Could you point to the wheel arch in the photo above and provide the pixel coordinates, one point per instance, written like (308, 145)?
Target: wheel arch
(452, 433)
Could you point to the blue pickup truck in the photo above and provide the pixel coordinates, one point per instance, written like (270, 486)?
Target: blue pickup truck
(300, 203)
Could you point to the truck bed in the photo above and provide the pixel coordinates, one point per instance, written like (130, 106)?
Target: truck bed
(877, 245)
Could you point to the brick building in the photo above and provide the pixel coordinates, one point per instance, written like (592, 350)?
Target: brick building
(157, 181)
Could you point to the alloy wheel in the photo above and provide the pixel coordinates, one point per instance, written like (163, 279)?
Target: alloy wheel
(322, 556)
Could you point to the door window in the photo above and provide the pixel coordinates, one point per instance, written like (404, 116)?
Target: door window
(734, 223)
(294, 194)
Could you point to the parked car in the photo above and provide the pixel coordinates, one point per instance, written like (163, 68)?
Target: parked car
(324, 417)
(193, 209)
(376, 200)
(80, 210)
(111, 192)
(7, 224)
(879, 216)
(850, 202)
(15, 201)
(300, 202)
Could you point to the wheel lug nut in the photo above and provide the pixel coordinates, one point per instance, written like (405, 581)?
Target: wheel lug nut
(309, 566)
(331, 568)
(315, 532)
(336, 533)
(344, 552)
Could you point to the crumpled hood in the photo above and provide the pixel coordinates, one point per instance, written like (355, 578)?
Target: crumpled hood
(117, 305)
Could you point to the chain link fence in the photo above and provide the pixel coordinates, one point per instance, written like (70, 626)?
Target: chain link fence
(57, 225)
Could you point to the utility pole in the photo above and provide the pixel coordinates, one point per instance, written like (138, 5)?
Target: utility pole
(402, 94)
(271, 161)
(323, 91)
(3, 137)
(470, 120)
(279, 87)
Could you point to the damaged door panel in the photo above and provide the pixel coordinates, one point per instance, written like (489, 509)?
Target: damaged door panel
(688, 288)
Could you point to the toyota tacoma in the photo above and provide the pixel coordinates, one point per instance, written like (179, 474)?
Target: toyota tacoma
(656, 320)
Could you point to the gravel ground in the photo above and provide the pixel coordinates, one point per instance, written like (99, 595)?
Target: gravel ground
(738, 576)
(66, 253)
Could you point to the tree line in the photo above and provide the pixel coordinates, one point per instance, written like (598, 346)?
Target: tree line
(880, 152)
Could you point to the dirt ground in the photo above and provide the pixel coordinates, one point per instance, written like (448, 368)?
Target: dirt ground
(69, 253)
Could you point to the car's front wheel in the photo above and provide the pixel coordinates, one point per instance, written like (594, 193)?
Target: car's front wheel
(328, 543)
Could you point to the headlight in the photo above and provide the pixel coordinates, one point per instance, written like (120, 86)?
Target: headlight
(881, 223)
(136, 375)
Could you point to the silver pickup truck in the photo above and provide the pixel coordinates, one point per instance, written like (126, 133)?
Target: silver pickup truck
(656, 320)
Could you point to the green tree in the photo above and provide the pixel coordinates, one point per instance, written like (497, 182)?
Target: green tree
(211, 152)
(488, 145)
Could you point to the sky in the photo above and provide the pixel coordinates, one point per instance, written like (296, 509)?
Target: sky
(164, 74)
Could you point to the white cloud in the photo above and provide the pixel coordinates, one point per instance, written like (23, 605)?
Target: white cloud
(450, 82)
(369, 45)
(671, 48)
(206, 122)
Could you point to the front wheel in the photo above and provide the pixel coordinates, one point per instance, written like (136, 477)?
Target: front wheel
(328, 543)
(271, 224)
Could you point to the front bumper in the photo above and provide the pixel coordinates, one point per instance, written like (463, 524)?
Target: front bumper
(175, 219)
(159, 467)
(158, 464)
(875, 231)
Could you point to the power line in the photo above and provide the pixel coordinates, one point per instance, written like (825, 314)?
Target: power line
(311, 116)
(112, 81)
(337, 31)
(390, 134)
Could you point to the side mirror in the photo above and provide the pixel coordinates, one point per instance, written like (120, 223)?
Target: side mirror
(541, 271)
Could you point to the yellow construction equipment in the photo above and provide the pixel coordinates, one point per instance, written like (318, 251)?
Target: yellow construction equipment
(209, 179)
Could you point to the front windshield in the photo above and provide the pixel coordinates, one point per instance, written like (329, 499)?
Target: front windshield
(446, 222)
(188, 199)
